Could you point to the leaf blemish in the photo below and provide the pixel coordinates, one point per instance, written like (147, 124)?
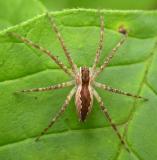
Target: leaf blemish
(122, 30)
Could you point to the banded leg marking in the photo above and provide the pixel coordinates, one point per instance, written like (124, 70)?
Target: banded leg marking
(117, 91)
(60, 38)
(111, 55)
(43, 50)
(100, 46)
(105, 111)
(49, 88)
(61, 111)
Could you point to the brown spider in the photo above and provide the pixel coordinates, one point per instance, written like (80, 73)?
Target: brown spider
(84, 79)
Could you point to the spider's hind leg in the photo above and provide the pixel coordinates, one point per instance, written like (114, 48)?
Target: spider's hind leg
(105, 111)
(117, 91)
(58, 115)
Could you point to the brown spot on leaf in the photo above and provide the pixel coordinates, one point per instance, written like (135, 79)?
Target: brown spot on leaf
(122, 30)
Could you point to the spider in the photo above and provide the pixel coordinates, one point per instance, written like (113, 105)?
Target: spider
(83, 78)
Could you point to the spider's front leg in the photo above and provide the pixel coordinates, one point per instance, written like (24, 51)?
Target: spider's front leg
(43, 50)
(64, 106)
(111, 55)
(105, 111)
(100, 45)
(61, 40)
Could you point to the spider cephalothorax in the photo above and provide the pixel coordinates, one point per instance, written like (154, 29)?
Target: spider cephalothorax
(83, 79)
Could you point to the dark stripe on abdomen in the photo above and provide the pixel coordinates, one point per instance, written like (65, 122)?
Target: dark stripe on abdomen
(85, 102)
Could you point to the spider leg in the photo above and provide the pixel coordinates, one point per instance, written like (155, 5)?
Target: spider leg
(100, 46)
(61, 111)
(111, 55)
(105, 111)
(43, 50)
(60, 38)
(49, 88)
(114, 90)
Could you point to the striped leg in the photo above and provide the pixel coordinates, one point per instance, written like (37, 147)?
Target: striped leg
(105, 111)
(43, 50)
(64, 106)
(111, 55)
(100, 46)
(60, 38)
(114, 90)
(49, 88)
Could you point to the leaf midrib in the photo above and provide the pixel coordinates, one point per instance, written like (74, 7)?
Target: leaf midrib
(67, 12)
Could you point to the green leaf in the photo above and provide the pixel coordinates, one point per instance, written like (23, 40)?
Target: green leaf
(111, 4)
(13, 12)
(23, 116)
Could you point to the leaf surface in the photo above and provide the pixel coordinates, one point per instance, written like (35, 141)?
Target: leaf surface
(112, 4)
(13, 12)
(23, 116)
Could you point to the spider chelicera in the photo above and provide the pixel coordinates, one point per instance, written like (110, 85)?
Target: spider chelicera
(83, 78)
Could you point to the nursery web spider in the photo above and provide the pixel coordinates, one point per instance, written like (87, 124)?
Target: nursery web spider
(83, 78)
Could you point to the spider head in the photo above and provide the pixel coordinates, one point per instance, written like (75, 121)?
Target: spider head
(85, 75)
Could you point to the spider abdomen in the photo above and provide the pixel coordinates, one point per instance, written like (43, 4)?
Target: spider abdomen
(84, 96)
(84, 101)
